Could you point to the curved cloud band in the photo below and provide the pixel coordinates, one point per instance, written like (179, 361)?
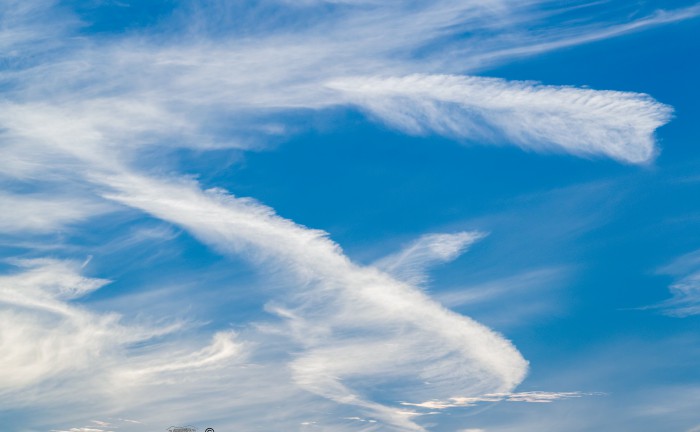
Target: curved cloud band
(357, 325)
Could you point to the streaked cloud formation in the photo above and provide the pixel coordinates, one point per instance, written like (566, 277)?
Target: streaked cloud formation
(412, 263)
(333, 297)
(95, 125)
(541, 118)
(685, 289)
(529, 397)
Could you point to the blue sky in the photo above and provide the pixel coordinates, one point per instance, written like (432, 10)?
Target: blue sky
(349, 215)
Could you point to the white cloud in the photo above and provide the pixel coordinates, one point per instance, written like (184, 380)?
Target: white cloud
(685, 289)
(686, 296)
(412, 340)
(88, 105)
(411, 263)
(529, 397)
(42, 213)
(100, 111)
(571, 36)
(496, 290)
(22, 29)
(222, 348)
(68, 337)
(509, 302)
(63, 352)
(583, 122)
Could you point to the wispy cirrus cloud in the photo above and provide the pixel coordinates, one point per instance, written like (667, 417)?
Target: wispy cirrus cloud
(105, 111)
(564, 37)
(685, 289)
(332, 297)
(412, 262)
(83, 352)
(528, 397)
(188, 91)
(43, 212)
(36, 301)
(541, 118)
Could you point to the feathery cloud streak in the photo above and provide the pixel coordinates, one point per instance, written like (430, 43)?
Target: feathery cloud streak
(187, 91)
(685, 289)
(412, 263)
(579, 121)
(529, 397)
(419, 341)
(93, 110)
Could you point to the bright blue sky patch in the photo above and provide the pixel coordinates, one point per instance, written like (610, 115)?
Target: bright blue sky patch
(349, 215)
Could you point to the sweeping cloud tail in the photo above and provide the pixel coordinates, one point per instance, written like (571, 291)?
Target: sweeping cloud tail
(583, 122)
(412, 263)
(343, 315)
